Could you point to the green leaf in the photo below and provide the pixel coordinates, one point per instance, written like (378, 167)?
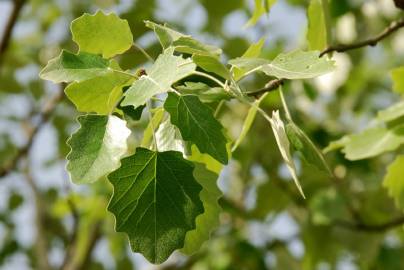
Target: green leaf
(211, 64)
(167, 70)
(197, 124)
(284, 147)
(211, 163)
(209, 220)
(293, 65)
(99, 94)
(398, 80)
(302, 143)
(154, 123)
(327, 206)
(373, 142)
(68, 67)
(204, 92)
(102, 34)
(252, 112)
(298, 65)
(393, 181)
(252, 52)
(155, 201)
(168, 137)
(391, 113)
(96, 147)
(182, 43)
(317, 31)
(261, 7)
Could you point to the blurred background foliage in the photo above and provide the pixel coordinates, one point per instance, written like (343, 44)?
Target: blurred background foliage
(346, 223)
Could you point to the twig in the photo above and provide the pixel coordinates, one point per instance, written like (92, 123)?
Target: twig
(44, 116)
(394, 26)
(270, 86)
(5, 41)
(373, 228)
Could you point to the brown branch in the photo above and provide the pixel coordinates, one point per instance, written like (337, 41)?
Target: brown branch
(44, 116)
(373, 228)
(393, 27)
(270, 86)
(5, 41)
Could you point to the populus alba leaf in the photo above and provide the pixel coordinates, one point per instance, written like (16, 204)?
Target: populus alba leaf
(99, 94)
(316, 31)
(104, 34)
(209, 220)
(168, 137)
(393, 181)
(293, 65)
(197, 124)
(155, 201)
(211, 64)
(96, 147)
(281, 138)
(253, 51)
(167, 70)
(182, 43)
(68, 67)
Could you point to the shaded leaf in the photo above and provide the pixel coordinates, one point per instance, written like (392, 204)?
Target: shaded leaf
(155, 201)
(211, 64)
(393, 181)
(197, 124)
(96, 147)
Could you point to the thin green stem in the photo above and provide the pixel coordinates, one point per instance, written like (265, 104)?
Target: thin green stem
(149, 107)
(124, 72)
(210, 78)
(285, 106)
(143, 51)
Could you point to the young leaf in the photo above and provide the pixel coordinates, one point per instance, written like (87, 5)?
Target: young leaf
(261, 7)
(393, 181)
(96, 147)
(102, 34)
(252, 52)
(298, 65)
(155, 201)
(398, 79)
(167, 70)
(68, 67)
(197, 124)
(373, 142)
(284, 147)
(317, 31)
(209, 220)
(182, 43)
(211, 64)
(302, 143)
(99, 94)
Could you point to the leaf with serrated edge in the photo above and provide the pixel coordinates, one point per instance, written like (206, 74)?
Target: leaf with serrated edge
(197, 124)
(101, 33)
(167, 70)
(393, 181)
(99, 94)
(209, 220)
(96, 147)
(155, 201)
(284, 147)
(68, 67)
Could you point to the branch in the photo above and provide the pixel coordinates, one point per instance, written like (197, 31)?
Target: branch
(5, 41)
(393, 27)
(373, 228)
(270, 86)
(44, 116)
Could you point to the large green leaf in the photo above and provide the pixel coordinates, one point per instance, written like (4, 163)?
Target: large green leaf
(293, 65)
(96, 147)
(182, 43)
(302, 143)
(167, 69)
(211, 64)
(394, 181)
(155, 201)
(317, 31)
(197, 124)
(398, 80)
(102, 34)
(373, 142)
(99, 94)
(68, 67)
(209, 220)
